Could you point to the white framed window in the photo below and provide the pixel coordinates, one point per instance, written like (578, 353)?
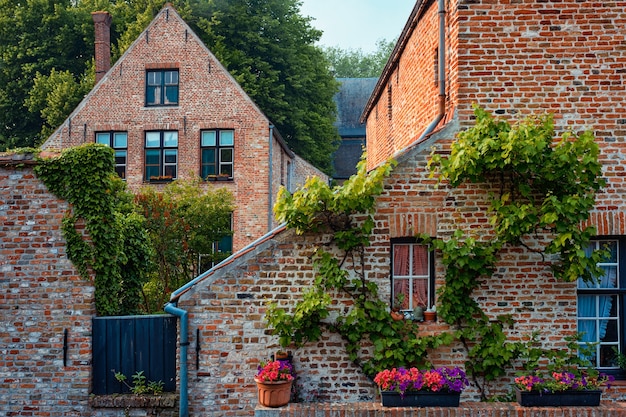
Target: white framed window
(161, 155)
(412, 274)
(119, 142)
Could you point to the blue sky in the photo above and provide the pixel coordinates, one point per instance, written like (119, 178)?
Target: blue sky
(357, 24)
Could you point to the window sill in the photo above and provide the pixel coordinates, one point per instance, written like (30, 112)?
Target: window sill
(165, 400)
(219, 178)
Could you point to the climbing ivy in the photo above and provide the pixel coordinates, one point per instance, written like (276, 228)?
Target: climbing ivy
(547, 187)
(114, 245)
(345, 213)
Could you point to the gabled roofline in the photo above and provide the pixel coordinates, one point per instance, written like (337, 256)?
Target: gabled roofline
(166, 10)
(394, 58)
(232, 258)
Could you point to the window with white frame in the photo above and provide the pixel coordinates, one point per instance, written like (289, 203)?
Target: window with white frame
(161, 155)
(600, 306)
(119, 142)
(412, 274)
(217, 153)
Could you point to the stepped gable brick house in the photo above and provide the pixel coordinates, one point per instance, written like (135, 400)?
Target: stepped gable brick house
(512, 58)
(171, 110)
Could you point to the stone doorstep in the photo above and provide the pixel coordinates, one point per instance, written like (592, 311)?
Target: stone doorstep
(165, 400)
(466, 409)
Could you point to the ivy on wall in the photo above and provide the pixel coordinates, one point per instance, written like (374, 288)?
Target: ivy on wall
(114, 245)
(547, 188)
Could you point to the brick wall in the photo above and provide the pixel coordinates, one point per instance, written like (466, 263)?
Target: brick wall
(41, 297)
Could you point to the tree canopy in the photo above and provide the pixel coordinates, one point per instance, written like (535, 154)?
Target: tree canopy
(354, 63)
(46, 63)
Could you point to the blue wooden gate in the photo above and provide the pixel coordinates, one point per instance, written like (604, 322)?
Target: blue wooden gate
(130, 344)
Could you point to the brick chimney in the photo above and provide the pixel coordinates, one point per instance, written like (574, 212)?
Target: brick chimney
(102, 26)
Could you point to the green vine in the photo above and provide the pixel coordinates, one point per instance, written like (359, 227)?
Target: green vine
(115, 245)
(547, 188)
(346, 214)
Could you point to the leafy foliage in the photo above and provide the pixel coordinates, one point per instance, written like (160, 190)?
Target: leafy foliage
(346, 213)
(114, 245)
(547, 188)
(354, 63)
(184, 221)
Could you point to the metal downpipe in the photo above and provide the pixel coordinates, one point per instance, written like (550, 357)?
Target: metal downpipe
(184, 343)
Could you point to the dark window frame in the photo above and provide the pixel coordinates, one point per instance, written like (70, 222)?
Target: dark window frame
(120, 167)
(159, 93)
(431, 269)
(620, 314)
(222, 169)
(164, 167)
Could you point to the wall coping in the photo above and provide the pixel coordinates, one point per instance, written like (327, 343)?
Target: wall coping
(466, 409)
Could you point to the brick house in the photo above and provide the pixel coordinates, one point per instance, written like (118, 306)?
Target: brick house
(513, 58)
(171, 110)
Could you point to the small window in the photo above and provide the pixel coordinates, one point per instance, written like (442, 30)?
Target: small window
(162, 88)
(217, 147)
(412, 275)
(161, 159)
(119, 142)
(601, 308)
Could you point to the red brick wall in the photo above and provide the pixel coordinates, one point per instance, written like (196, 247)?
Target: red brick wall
(41, 297)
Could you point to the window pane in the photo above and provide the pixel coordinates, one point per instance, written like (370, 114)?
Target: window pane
(586, 306)
(154, 78)
(153, 95)
(153, 139)
(420, 293)
(104, 138)
(120, 140)
(171, 77)
(226, 170)
(400, 260)
(225, 244)
(170, 156)
(171, 95)
(208, 138)
(420, 260)
(170, 170)
(170, 139)
(227, 138)
(401, 286)
(226, 155)
(152, 171)
(153, 157)
(120, 157)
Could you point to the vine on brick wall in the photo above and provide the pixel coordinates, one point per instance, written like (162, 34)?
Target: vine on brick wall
(115, 240)
(547, 188)
(345, 213)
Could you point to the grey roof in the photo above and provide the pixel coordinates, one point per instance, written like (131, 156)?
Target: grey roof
(351, 100)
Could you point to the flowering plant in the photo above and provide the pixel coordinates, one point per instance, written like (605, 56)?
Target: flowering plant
(562, 381)
(274, 371)
(404, 380)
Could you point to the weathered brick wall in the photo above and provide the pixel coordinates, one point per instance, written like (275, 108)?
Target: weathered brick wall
(41, 297)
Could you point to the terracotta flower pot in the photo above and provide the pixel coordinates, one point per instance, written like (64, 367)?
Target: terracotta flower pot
(274, 394)
(430, 315)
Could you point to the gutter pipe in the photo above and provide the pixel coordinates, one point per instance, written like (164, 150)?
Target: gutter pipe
(442, 72)
(184, 343)
(269, 185)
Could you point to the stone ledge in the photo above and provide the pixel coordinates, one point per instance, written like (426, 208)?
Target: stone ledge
(165, 400)
(466, 409)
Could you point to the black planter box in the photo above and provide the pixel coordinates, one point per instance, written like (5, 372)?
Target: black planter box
(420, 399)
(558, 399)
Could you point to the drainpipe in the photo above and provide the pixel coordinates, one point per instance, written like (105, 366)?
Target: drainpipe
(184, 343)
(442, 72)
(269, 209)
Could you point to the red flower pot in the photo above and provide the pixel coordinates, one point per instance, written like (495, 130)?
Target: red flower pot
(274, 394)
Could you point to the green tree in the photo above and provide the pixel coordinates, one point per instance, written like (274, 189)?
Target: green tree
(269, 48)
(184, 221)
(36, 36)
(354, 63)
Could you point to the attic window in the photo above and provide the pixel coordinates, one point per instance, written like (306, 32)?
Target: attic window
(162, 87)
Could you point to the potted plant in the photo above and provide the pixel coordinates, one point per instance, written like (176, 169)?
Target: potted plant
(398, 302)
(440, 387)
(565, 388)
(430, 314)
(274, 380)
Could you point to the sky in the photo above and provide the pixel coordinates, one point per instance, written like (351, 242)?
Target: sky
(357, 24)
